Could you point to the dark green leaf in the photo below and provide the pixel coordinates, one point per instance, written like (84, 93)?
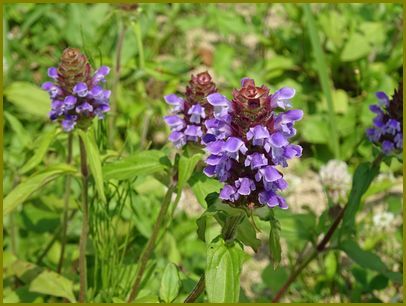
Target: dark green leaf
(379, 282)
(186, 167)
(363, 176)
(202, 186)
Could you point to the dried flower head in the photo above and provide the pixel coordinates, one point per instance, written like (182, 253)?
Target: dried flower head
(387, 130)
(76, 95)
(246, 155)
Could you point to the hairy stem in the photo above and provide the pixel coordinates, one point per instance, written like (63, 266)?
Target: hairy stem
(228, 232)
(147, 251)
(65, 206)
(85, 223)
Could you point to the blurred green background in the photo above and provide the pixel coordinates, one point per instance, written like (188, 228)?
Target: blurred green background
(153, 49)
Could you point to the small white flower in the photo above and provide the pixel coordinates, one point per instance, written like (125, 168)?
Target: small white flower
(383, 220)
(336, 179)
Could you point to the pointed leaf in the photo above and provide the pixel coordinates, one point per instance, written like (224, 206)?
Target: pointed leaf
(41, 145)
(35, 182)
(139, 164)
(170, 283)
(186, 167)
(94, 161)
(51, 283)
(275, 243)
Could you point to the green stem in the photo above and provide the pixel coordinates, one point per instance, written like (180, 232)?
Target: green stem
(140, 46)
(323, 76)
(65, 206)
(147, 251)
(228, 232)
(117, 71)
(85, 223)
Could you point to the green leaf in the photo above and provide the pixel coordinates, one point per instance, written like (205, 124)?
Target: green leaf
(35, 182)
(51, 283)
(222, 276)
(363, 176)
(170, 283)
(246, 233)
(312, 132)
(202, 186)
(29, 98)
(186, 167)
(21, 133)
(275, 243)
(41, 145)
(356, 47)
(331, 265)
(379, 282)
(140, 164)
(94, 161)
(365, 259)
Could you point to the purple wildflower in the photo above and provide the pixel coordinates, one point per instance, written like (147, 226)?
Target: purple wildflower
(254, 142)
(195, 118)
(387, 130)
(76, 96)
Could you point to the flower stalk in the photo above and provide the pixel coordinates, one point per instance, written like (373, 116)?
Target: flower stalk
(65, 206)
(85, 223)
(147, 251)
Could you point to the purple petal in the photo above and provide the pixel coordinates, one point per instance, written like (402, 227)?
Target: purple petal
(84, 108)
(80, 89)
(228, 193)
(70, 102)
(178, 139)
(383, 98)
(292, 115)
(278, 140)
(193, 130)
(215, 147)
(217, 99)
(270, 174)
(53, 73)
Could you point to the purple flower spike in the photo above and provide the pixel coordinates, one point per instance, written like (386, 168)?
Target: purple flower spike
(75, 96)
(387, 129)
(193, 132)
(255, 127)
(80, 89)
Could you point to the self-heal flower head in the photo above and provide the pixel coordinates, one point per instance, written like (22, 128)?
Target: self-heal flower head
(254, 143)
(76, 95)
(194, 118)
(387, 129)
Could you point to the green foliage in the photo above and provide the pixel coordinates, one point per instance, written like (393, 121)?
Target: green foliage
(34, 183)
(170, 283)
(222, 276)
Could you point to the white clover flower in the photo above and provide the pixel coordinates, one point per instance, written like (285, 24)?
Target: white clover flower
(383, 220)
(336, 179)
